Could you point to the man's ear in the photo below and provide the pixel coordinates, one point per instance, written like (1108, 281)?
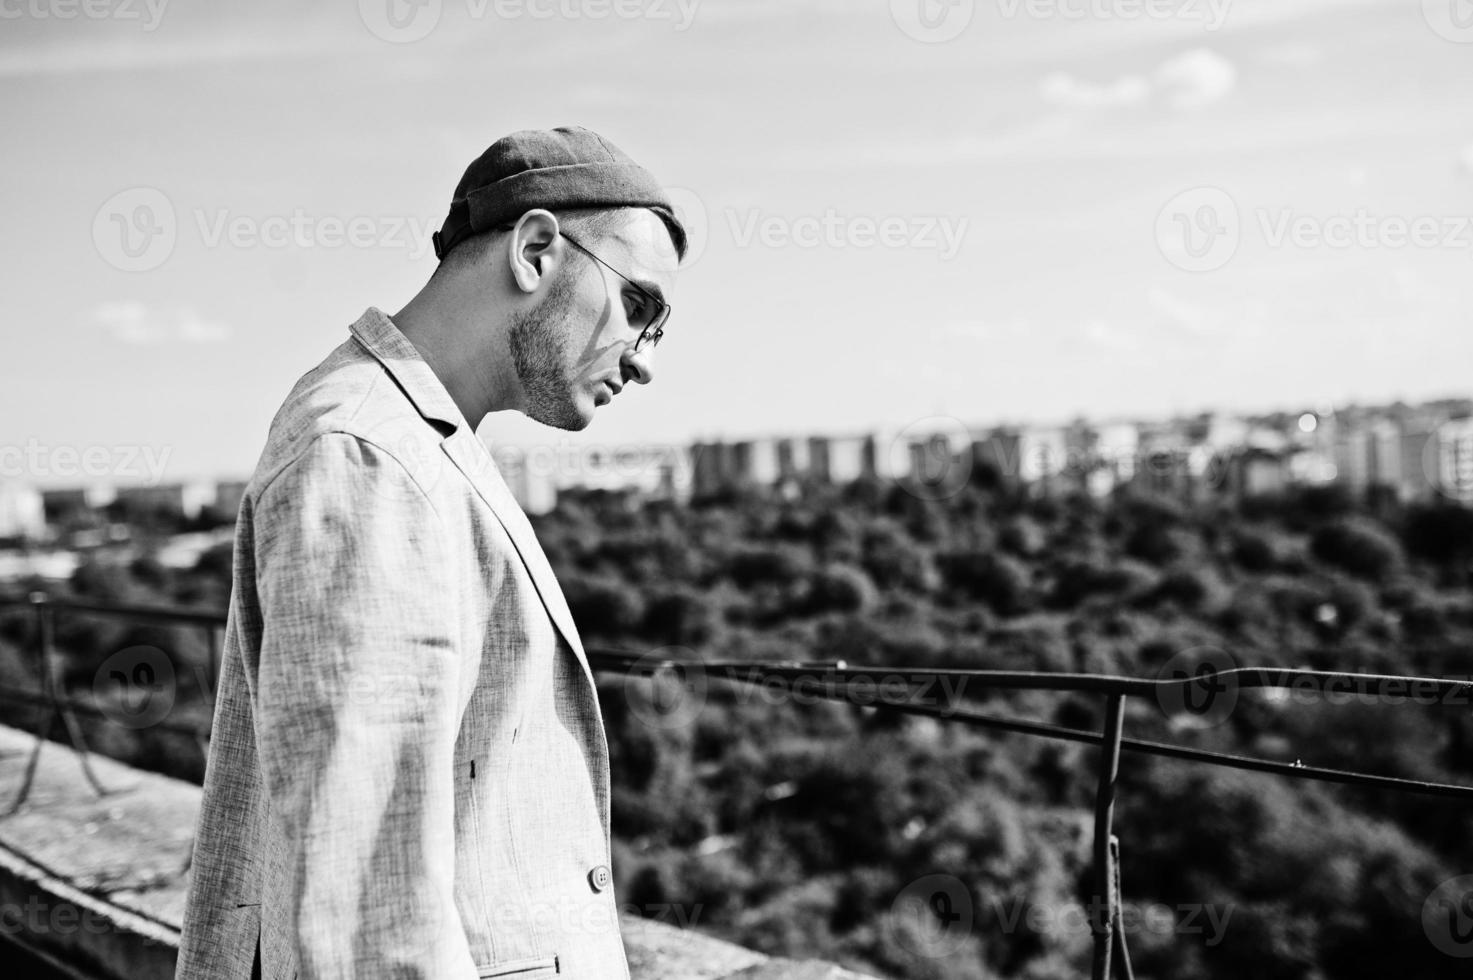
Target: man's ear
(532, 249)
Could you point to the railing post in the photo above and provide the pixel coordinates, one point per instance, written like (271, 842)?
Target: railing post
(52, 705)
(43, 727)
(1103, 906)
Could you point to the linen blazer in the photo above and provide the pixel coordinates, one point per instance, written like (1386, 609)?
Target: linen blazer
(407, 775)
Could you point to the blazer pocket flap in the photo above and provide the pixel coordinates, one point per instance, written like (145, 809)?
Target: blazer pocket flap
(544, 966)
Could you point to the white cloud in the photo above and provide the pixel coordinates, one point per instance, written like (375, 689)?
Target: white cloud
(1196, 78)
(1190, 80)
(1064, 89)
(130, 322)
(1102, 333)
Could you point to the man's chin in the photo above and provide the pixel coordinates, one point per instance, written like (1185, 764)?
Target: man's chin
(569, 418)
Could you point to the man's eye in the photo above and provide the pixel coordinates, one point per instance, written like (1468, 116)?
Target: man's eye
(637, 309)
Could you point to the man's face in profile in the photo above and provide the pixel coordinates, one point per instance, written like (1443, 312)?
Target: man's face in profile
(574, 351)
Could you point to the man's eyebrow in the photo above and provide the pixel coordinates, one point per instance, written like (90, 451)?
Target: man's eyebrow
(652, 288)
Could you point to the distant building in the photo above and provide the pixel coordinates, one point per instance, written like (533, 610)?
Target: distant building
(531, 487)
(1223, 432)
(714, 468)
(1418, 454)
(757, 462)
(1113, 459)
(1033, 456)
(851, 458)
(1163, 465)
(182, 500)
(22, 511)
(792, 459)
(1383, 438)
(1351, 453)
(68, 503)
(1255, 472)
(1452, 473)
(1311, 467)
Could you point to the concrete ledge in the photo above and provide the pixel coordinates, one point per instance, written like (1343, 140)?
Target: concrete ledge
(98, 883)
(91, 936)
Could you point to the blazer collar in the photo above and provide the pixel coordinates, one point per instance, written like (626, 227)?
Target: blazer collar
(378, 334)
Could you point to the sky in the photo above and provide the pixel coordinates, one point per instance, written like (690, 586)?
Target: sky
(903, 210)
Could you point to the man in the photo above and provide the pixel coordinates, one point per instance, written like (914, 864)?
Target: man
(407, 775)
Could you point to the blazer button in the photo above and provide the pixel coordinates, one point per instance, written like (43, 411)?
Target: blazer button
(599, 878)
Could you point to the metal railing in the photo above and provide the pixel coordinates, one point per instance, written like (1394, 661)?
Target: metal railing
(833, 681)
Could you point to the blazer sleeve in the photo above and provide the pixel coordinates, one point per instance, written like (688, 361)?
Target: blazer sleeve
(357, 713)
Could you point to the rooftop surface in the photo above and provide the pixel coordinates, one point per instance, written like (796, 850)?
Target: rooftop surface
(99, 881)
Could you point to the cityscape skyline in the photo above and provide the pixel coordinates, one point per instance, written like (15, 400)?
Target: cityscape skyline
(127, 465)
(1417, 450)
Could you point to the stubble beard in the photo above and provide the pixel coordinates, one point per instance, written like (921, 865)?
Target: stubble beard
(539, 353)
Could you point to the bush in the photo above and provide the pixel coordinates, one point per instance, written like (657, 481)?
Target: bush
(781, 564)
(999, 580)
(893, 561)
(1253, 552)
(838, 587)
(1187, 587)
(681, 617)
(1360, 547)
(602, 607)
(1078, 580)
(1157, 543)
(1441, 533)
(1022, 536)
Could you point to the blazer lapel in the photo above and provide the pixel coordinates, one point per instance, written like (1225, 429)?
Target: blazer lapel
(474, 460)
(378, 335)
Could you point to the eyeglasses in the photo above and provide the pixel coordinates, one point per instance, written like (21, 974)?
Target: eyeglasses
(652, 312)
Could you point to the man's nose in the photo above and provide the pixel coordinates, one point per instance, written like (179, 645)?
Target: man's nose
(638, 366)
